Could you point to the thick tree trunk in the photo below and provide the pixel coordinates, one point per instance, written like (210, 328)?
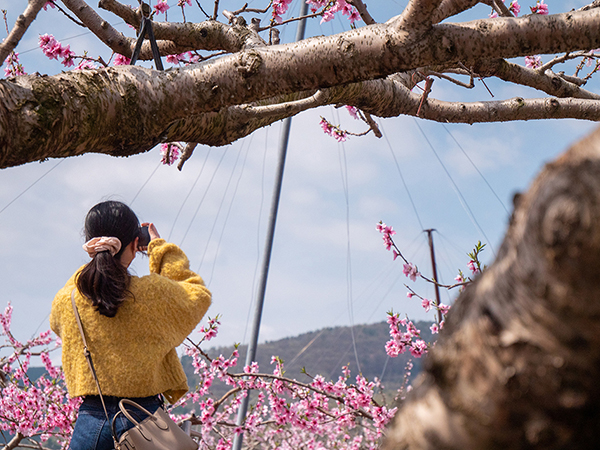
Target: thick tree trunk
(518, 362)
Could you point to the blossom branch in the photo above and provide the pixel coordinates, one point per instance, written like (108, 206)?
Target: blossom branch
(372, 124)
(291, 19)
(21, 25)
(361, 7)
(291, 381)
(501, 8)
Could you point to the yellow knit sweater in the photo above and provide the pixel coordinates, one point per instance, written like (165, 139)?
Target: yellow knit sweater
(134, 352)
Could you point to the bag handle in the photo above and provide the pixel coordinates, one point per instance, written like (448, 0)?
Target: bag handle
(161, 424)
(125, 401)
(88, 357)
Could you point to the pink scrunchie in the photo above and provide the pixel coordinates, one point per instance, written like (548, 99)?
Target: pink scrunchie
(102, 244)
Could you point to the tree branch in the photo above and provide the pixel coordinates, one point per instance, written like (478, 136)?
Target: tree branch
(390, 98)
(233, 123)
(101, 28)
(209, 35)
(543, 80)
(449, 8)
(594, 4)
(14, 442)
(41, 116)
(21, 25)
(418, 15)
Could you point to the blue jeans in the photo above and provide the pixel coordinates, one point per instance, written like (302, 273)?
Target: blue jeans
(92, 430)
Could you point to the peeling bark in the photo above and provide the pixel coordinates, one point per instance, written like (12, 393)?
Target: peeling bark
(517, 363)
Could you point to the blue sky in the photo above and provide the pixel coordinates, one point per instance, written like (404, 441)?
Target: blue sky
(329, 266)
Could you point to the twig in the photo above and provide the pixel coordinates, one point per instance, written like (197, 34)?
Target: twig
(589, 75)
(426, 91)
(21, 25)
(369, 119)
(69, 15)
(478, 76)
(566, 57)
(253, 10)
(471, 85)
(186, 154)
(225, 396)
(202, 9)
(293, 19)
(216, 10)
(501, 8)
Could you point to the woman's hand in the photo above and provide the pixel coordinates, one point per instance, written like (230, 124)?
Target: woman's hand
(152, 231)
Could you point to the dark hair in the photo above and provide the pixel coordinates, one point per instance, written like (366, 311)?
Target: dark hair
(104, 280)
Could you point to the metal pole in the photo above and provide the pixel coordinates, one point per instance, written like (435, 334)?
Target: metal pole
(434, 268)
(283, 144)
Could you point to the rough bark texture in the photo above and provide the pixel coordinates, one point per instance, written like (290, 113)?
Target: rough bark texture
(518, 362)
(127, 110)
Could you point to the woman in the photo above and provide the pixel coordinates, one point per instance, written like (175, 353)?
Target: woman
(132, 324)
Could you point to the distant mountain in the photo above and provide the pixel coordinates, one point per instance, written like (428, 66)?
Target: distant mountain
(324, 352)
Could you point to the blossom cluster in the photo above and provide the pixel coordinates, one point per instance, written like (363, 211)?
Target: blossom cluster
(161, 7)
(186, 58)
(280, 7)
(121, 60)
(54, 50)
(285, 413)
(13, 66)
(333, 130)
(401, 341)
(539, 8)
(330, 8)
(533, 62)
(387, 233)
(33, 408)
(409, 269)
(169, 153)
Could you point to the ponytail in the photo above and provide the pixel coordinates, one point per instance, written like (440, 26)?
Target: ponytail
(104, 280)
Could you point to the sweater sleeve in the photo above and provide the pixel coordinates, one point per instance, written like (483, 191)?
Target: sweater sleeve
(55, 318)
(56, 312)
(168, 260)
(185, 298)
